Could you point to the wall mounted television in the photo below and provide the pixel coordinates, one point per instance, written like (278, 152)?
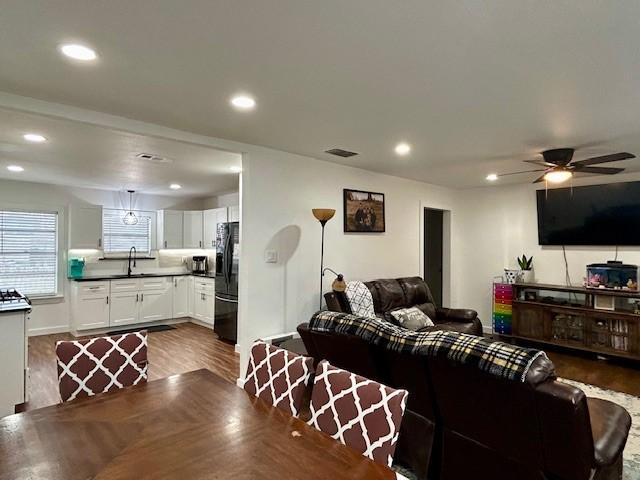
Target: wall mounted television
(596, 215)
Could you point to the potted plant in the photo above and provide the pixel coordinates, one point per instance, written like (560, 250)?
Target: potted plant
(526, 269)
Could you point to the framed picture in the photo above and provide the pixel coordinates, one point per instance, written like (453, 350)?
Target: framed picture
(363, 211)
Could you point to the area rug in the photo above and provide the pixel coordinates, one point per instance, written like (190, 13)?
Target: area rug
(632, 404)
(631, 450)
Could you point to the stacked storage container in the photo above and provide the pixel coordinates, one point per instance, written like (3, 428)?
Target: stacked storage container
(502, 310)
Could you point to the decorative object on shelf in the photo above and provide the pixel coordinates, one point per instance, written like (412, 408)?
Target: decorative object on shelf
(363, 212)
(130, 218)
(338, 284)
(502, 308)
(526, 269)
(612, 275)
(511, 276)
(323, 215)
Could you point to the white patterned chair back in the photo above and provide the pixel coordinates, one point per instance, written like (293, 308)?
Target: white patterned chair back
(357, 412)
(101, 364)
(278, 376)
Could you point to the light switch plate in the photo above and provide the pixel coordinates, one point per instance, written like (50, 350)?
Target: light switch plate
(271, 256)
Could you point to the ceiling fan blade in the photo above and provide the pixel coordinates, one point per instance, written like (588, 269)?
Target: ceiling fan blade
(539, 179)
(542, 163)
(523, 171)
(614, 157)
(598, 170)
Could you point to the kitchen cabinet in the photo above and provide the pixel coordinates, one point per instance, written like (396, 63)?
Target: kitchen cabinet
(191, 294)
(204, 300)
(124, 308)
(13, 358)
(211, 220)
(234, 213)
(90, 305)
(85, 227)
(192, 229)
(170, 228)
(140, 300)
(181, 298)
(155, 305)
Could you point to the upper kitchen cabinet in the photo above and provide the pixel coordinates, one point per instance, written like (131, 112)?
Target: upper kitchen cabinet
(234, 213)
(85, 226)
(193, 230)
(211, 220)
(170, 229)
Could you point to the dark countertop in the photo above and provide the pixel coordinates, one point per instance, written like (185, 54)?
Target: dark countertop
(141, 275)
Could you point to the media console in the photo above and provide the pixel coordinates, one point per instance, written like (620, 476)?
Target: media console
(595, 320)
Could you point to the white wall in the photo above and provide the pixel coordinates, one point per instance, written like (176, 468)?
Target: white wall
(500, 224)
(278, 192)
(222, 200)
(52, 315)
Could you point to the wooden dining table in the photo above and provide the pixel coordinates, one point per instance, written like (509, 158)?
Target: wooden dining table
(190, 426)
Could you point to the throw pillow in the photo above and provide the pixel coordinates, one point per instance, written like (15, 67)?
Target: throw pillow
(360, 299)
(412, 318)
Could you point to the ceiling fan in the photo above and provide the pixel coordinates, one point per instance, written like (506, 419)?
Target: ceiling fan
(559, 168)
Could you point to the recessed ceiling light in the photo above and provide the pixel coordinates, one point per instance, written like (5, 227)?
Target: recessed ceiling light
(34, 137)
(403, 148)
(243, 102)
(235, 169)
(492, 177)
(175, 186)
(15, 168)
(78, 52)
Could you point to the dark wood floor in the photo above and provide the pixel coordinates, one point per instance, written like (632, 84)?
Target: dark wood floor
(188, 347)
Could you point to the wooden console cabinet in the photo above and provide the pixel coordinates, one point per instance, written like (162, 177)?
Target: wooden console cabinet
(602, 321)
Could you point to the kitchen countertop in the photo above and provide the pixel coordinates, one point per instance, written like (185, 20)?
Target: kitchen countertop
(141, 275)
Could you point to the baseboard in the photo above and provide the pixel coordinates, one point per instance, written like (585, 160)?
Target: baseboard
(237, 348)
(199, 322)
(240, 382)
(35, 332)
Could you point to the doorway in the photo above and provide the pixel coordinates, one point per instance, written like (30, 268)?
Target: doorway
(433, 252)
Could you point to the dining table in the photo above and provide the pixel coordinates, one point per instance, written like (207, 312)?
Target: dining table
(194, 425)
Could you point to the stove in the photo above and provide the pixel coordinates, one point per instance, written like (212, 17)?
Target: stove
(11, 300)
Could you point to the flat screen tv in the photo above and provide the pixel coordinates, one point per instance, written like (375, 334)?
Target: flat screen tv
(607, 215)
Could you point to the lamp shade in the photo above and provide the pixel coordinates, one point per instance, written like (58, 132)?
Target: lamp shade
(323, 215)
(339, 285)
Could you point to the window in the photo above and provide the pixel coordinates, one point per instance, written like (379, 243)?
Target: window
(119, 238)
(29, 252)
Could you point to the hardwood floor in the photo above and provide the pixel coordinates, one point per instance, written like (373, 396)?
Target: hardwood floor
(188, 347)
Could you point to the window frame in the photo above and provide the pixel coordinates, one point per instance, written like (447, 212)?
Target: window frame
(61, 237)
(123, 254)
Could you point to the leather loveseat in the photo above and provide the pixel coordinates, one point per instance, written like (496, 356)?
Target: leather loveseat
(463, 423)
(391, 294)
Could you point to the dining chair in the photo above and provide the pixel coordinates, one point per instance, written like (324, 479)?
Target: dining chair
(101, 364)
(278, 376)
(357, 412)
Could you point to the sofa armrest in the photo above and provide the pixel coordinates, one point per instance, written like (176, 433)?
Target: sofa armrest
(456, 314)
(610, 424)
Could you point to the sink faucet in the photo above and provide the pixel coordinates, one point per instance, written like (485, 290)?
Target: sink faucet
(135, 254)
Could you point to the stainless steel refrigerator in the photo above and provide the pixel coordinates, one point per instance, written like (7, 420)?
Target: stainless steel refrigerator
(227, 262)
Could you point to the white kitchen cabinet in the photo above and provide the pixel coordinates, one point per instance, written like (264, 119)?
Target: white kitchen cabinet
(192, 229)
(85, 227)
(191, 295)
(204, 300)
(181, 296)
(211, 220)
(13, 358)
(155, 305)
(170, 228)
(140, 300)
(234, 213)
(90, 305)
(124, 308)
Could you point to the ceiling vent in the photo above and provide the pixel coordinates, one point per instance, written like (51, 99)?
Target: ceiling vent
(341, 153)
(149, 157)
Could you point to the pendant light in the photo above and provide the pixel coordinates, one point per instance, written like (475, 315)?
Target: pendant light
(130, 218)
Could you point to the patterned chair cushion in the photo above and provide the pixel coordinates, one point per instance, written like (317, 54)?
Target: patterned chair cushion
(278, 376)
(101, 364)
(357, 412)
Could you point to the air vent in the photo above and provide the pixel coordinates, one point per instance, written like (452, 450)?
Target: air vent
(341, 153)
(150, 157)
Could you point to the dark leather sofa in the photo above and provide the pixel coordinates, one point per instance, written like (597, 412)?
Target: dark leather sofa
(391, 294)
(462, 423)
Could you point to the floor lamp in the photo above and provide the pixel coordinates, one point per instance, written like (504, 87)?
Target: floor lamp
(323, 215)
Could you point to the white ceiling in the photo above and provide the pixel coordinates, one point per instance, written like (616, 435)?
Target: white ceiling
(82, 155)
(475, 86)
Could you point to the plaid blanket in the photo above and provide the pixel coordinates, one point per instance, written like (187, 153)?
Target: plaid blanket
(496, 358)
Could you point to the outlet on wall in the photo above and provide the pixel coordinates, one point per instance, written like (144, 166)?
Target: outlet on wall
(271, 256)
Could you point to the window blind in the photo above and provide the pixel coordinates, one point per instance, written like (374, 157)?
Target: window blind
(119, 238)
(29, 252)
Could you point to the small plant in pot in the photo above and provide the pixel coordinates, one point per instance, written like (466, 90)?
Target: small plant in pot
(526, 269)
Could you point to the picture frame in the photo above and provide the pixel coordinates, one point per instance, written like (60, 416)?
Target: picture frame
(364, 211)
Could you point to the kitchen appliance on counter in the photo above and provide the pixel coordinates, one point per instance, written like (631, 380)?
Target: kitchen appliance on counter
(613, 275)
(226, 285)
(199, 264)
(14, 313)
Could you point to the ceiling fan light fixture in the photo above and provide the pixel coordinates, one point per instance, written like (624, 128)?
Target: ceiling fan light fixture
(558, 176)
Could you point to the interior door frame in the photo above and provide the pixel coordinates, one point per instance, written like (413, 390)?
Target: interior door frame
(446, 248)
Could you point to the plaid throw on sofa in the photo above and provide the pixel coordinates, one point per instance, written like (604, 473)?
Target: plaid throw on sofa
(495, 358)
